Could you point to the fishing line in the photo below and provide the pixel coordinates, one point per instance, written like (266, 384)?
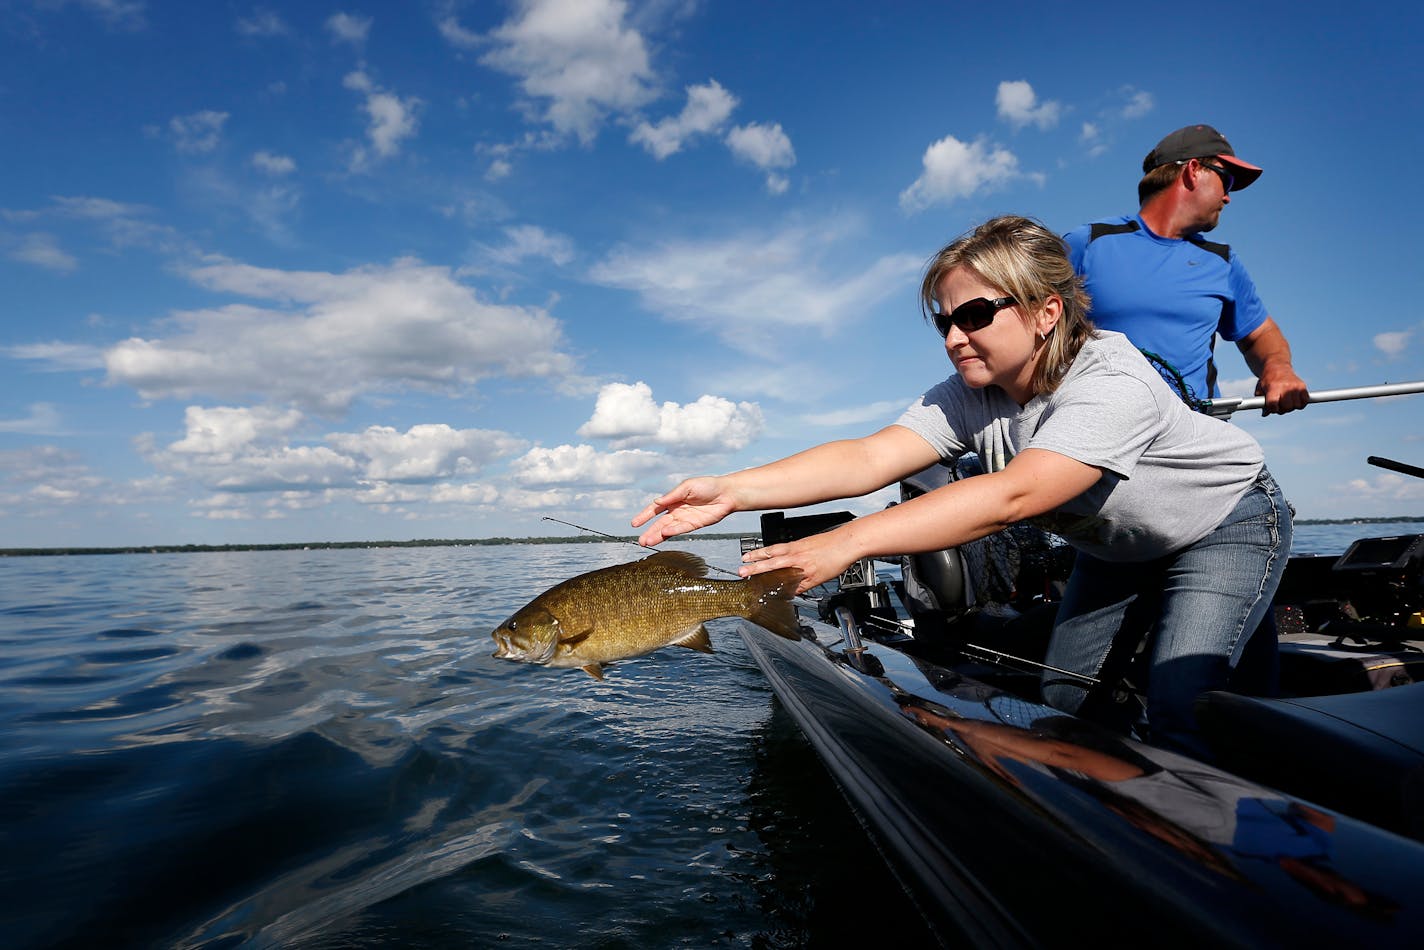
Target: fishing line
(614, 537)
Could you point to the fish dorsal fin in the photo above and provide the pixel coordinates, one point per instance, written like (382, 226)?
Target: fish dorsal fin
(695, 639)
(595, 670)
(683, 562)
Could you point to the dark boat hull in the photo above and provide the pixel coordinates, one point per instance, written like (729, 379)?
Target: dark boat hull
(1000, 843)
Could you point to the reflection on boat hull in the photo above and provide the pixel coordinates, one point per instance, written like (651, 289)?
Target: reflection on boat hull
(1013, 825)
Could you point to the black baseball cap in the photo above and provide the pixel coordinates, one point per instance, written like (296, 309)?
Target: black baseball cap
(1201, 141)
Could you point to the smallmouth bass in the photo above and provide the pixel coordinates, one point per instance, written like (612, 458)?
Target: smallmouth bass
(615, 613)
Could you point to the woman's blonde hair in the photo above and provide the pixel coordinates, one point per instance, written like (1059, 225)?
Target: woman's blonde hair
(1026, 261)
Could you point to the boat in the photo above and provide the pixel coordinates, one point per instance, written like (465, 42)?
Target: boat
(1011, 824)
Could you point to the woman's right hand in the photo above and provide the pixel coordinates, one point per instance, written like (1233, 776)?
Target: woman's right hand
(696, 503)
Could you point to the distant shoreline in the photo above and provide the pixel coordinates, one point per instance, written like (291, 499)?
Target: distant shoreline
(476, 542)
(337, 545)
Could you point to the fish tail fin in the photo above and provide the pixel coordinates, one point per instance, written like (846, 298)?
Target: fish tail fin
(771, 594)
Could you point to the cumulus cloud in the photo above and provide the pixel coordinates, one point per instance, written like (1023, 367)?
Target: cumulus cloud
(583, 465)
(707, 109)
(1387, 487)
(577, 60)
(1393, 344)
(1138, 103)
(38, 479)
(751, 289)
(424, 452)
(273, 164)
(349, 28)
(238, 449)
(1019, 106)
(233, 449)
(627, 415)
(526, 241)
(955, 169)
(391, 119)
(331, 337)
(767, 147)
(197, 132)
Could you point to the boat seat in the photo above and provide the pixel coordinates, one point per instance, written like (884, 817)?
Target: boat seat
(1357, 753)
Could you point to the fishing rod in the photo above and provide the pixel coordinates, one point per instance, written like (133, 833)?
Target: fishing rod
(624, 540)
(1001, 658)
(1223, 408)
(1404, 468)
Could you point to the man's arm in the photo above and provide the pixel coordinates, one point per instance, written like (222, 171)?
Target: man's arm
(1269, 356)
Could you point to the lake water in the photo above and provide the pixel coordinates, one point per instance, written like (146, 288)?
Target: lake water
(315, 749)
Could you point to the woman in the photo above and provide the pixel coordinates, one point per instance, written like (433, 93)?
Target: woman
(1177, 524)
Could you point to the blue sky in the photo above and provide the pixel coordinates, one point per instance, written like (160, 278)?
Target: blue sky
(301, 272)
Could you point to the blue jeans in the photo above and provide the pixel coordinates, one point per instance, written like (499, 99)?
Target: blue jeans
(1197, 607)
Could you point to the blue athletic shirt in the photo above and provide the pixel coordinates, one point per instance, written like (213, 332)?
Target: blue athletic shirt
(1168, 296)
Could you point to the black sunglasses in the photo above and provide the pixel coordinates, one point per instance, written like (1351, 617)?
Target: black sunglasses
(1228, 180)
(971, 315)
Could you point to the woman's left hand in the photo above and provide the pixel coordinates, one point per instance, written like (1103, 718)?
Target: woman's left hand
(819, 558)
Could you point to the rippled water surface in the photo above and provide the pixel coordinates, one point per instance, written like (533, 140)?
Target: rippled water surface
(315, 748)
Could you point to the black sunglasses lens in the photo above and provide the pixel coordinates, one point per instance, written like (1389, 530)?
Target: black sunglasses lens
(970, 316)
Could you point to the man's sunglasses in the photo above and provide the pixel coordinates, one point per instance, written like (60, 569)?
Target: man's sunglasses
(971, 315)
(1228, 180)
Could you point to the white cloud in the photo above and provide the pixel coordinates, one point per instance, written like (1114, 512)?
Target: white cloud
(1387, 487)
(1019, 106)
(583, 465)
(627, 415)
(59, 357)
(348, 28)
(262, 23)
(767, 147)
(1393, 344)
(273, 164)
(237, 449)
(424, 452)
(1139, 103)
(43, 419)
(707, 109)
(198, 132)
(333, 337)
(226, 431)
(576, 57)
(455, 34)
(750, 290)
(41, 250)
(954, 169)
(529, 241)
(247, 450)
(623, 411)
(391, 118)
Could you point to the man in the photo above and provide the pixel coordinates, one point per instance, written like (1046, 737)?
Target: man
(1154, 277)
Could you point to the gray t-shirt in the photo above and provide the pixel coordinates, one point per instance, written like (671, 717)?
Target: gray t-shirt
(1170, 475)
